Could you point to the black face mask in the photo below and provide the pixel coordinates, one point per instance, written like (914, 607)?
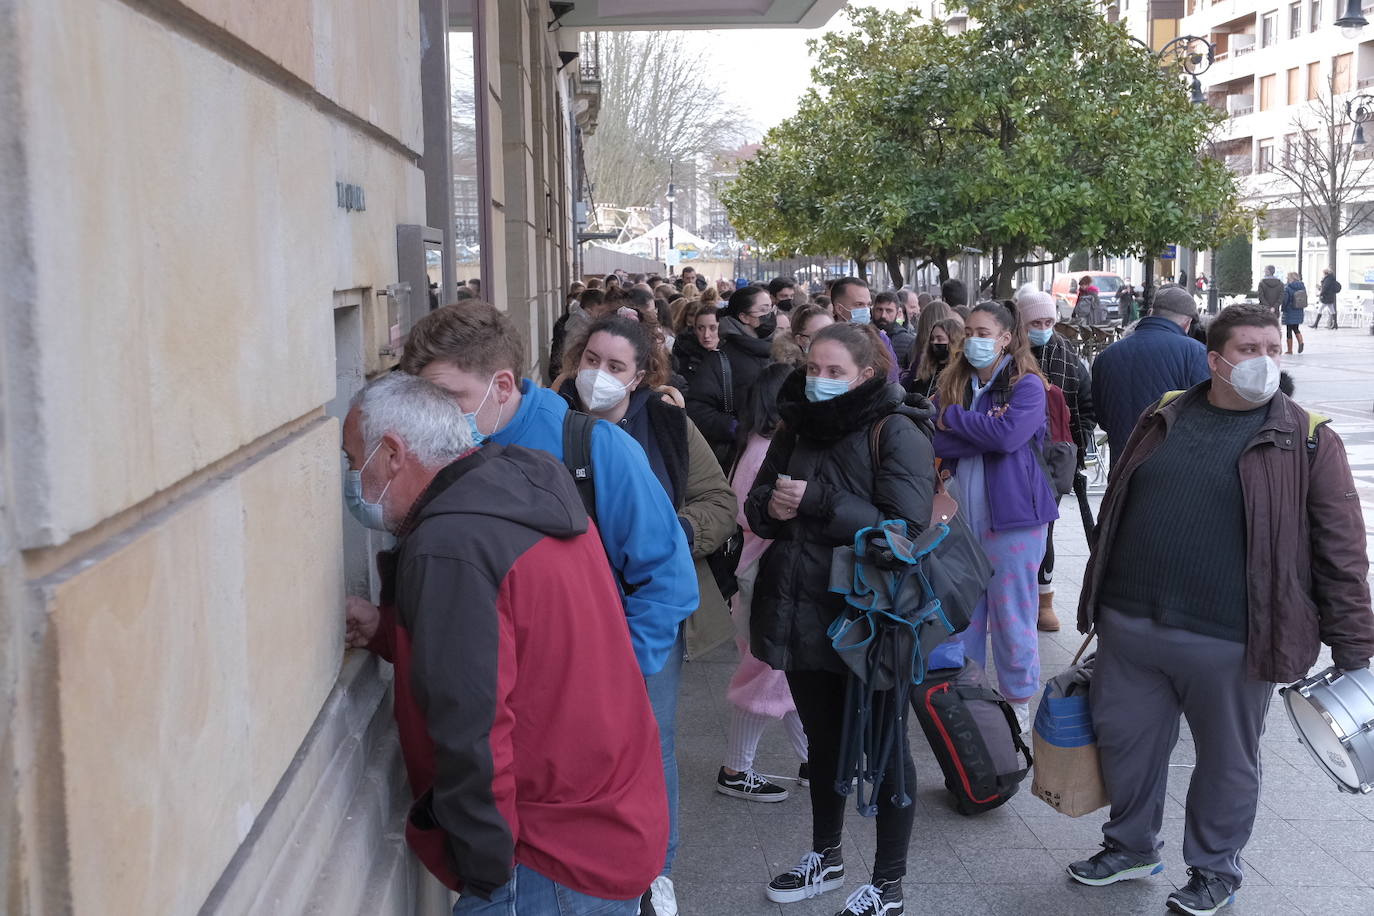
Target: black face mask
(785, 305)
(940, 352)
(767, 325)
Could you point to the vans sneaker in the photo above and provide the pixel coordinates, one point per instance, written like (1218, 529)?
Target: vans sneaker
(882, 899)
(1203, 895)
(817, 873)
(749, 786)
(804, 774)
(1112, 865)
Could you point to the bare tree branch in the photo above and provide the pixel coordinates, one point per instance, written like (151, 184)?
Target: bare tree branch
(1321, 175)
(660, 105)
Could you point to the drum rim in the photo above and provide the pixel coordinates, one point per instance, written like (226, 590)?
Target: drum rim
(1362, 785)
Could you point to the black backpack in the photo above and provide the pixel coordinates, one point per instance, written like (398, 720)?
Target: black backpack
(577, 457)
(975, 736)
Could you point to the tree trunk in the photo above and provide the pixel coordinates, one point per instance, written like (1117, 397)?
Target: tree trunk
(861, 264)
(894, 268)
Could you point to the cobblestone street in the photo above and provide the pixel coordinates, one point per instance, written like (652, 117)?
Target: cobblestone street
(1312, 853)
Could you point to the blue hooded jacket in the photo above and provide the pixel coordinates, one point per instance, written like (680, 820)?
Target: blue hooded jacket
(1135, 372)
(639, 528)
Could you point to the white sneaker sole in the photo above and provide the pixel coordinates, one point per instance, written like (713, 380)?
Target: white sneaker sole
(1180, 907)
(752, 796)
(804, 893)
(1130, 874)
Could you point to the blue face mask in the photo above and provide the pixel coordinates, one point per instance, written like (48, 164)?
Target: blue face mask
(823, 389)
(369, 515)
(478, 437)
(1039, 338)
(861, 315)
(981, 352)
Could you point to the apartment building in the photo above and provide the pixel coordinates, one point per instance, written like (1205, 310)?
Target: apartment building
(1274, 59)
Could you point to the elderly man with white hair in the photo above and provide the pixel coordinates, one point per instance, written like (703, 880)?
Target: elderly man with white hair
(1037, 315)
(524, 721)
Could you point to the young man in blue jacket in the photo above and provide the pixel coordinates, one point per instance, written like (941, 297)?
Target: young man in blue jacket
(472, 350)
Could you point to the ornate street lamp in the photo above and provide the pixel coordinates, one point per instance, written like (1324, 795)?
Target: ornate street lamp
(1353, 22)
(1360, 110)
(672, 196)
(1192, 54)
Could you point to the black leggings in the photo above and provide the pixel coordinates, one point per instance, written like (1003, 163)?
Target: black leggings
(819, 696)
(1294, 329)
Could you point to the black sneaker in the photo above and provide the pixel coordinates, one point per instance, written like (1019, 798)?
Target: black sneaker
(1204, 894)
(817, 873)
(804, 774)
(749, 786)
(646, 904)
(882, 899)
(1112, 865)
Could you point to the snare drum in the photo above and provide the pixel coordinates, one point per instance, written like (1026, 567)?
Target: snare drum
(1333, 714)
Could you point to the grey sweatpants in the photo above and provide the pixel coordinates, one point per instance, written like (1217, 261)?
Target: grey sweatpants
(1145, 675)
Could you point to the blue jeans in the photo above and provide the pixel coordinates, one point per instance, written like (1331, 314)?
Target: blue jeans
(529, 893)
(663, 689)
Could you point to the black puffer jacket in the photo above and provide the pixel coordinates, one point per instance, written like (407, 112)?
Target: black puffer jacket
(749, 355)
(826, 444)
(708, 405)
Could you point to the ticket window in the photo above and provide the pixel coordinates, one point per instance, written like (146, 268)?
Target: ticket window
(360, 544)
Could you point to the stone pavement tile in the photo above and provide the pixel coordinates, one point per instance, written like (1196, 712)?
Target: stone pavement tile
(985, 836)
(1068, 897)
(1275, 834)
(1328, 901)
(1056, 831)
(1359, 861)
(963, 899)
(714, 858)
(1337, 836)
(1302, 867)
(1015, 866)
(706, 896)
(1294, 804)
(1262, 900)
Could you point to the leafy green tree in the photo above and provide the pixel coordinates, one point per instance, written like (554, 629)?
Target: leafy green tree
(1041, 131)
(1232, 266)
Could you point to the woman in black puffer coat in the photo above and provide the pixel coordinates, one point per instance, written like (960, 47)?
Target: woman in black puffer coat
(817, 487)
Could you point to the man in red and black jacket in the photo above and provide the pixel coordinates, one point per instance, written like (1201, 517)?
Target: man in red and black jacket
(524, 720)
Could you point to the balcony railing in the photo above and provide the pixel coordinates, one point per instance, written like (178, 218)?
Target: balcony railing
(589, 58)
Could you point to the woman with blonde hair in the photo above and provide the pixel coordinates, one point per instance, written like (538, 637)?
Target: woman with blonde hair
(991, 422)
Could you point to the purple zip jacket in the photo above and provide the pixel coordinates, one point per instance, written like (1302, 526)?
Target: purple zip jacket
(1018, 494)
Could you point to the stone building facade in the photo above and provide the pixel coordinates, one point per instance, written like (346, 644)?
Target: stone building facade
(218, 218)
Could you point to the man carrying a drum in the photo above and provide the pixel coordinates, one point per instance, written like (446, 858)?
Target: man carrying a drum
(1230, 544)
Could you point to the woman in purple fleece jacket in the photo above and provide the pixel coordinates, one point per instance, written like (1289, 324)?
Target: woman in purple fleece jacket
(991, 423)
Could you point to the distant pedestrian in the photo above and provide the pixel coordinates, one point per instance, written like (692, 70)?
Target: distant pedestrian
(1270, 293)
(1126, 303)
(1295, 308)
(1326, 295)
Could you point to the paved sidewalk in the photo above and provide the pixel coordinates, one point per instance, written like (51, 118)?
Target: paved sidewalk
(1312, 853)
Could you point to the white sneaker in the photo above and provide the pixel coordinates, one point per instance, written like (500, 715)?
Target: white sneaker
(1023, 719)
(664, 898)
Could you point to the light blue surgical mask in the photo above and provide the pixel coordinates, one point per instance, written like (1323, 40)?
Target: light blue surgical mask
(369, 515)
(478, 437)
(981, 352)
(1039, 337)
(823, 389)
(861, 315)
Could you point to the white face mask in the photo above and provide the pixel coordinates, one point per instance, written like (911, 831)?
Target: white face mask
(599, 390)
(1255, 379)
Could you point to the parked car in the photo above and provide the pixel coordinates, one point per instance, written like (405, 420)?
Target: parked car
(1065, 292)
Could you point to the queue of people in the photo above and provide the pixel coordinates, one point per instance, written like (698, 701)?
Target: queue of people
(684, 482)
